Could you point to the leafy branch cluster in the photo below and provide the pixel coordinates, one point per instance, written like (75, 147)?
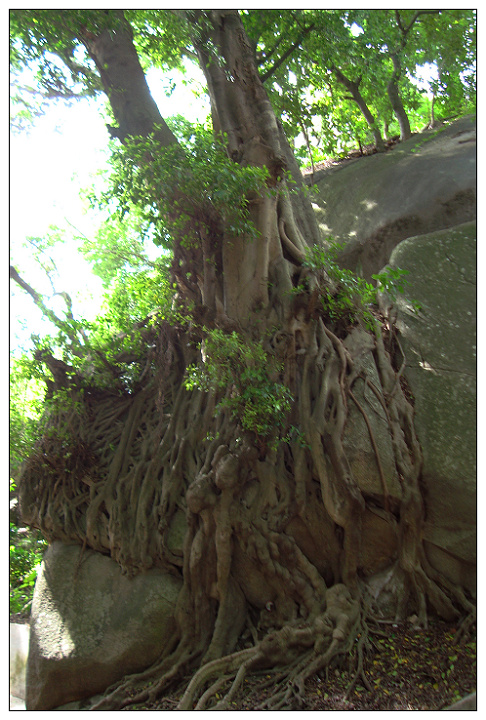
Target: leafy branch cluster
(349, 296)
(26, 551)
(186, 190)
(26, 546)
(243, 369)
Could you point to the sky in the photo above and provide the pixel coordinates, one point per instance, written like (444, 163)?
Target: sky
(50, 166)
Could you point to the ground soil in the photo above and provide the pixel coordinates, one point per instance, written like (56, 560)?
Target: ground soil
(406, 668)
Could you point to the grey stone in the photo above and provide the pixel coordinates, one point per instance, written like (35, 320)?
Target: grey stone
(439, 343)
(469, 702)
(19, 648)
(85, 704)
(425, 184)
(91, 625)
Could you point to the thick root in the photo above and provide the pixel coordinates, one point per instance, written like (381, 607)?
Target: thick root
(330, 633)
(269, 526)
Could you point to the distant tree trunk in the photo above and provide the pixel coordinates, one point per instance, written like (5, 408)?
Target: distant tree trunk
(396, 100)
(353, 87)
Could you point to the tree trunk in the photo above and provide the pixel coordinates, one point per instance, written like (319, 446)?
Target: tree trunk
(124, 82)
(396, 100)
(353, 87)
(273, 546)
(242, 111)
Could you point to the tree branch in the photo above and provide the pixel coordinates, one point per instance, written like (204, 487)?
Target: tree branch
(406, 30)
(271, 52)
(25, 286)
(50, 314)
(286, 54)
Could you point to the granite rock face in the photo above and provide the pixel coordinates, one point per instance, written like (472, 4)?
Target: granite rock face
(439, 343)
(425, 184)
(91, 625)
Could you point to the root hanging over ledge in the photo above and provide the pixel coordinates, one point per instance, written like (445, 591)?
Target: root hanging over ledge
(272, 560)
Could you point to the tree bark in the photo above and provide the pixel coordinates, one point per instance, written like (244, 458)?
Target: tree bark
(396, 100)
(353, 87)
(124, 81)
(242, 111)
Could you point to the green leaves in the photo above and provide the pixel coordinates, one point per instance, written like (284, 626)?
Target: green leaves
(348, 296)
(312, 103)
(295, 50)
(184, 191)
(26, 405)
(26, 550)
(244, 370)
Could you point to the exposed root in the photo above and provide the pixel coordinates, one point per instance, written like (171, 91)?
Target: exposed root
(464, 628)
(362, 645)
(217, 667)
(330, 633)
(269, 529)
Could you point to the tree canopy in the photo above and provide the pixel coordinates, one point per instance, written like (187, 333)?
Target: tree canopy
(309, 61)
(216, 381)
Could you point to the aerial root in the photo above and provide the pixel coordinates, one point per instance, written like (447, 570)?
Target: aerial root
(237, 682)
(360, 675)
(302, 648)
(224, 665)
(212, 691)
(290, 690)
(464, 628)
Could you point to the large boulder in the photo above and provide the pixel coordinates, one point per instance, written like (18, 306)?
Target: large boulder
(439, 343)
(425, 184)
(91, 625)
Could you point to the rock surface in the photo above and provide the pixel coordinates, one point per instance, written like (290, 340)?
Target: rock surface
(469, 702)
(19, 649)
(91, 625)
(439, 343)
(425, 184)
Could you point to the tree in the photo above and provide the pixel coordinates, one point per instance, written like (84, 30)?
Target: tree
(402, 37)
(233, 402)
(367, 59)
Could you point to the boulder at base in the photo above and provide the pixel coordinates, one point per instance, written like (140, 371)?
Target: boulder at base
(91, 625)
(439, 343)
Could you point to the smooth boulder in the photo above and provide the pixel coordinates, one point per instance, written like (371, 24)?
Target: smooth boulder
(439, 344)
(91, 625)
(424, 184)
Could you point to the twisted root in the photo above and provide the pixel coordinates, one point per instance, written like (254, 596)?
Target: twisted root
(320, 639)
